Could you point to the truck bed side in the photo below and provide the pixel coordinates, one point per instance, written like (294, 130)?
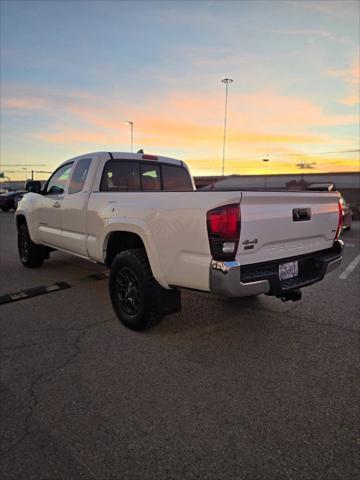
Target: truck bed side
(172, 226)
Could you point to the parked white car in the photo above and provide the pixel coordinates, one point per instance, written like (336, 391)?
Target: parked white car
(141, 216)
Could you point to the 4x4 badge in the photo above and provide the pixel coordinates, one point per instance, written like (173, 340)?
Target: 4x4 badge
(250, 242)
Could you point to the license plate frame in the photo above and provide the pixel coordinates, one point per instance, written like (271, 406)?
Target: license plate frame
(288, 270)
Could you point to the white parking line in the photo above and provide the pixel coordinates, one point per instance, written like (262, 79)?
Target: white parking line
(351, 267)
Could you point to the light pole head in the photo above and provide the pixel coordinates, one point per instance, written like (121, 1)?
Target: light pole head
(128, 122)
(227, 80)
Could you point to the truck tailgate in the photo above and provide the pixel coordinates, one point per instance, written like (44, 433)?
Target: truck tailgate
(277, 225)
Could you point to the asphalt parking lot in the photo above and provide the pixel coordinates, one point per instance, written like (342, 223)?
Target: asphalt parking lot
(225, 389)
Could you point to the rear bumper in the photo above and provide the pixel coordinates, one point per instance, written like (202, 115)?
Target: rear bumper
(231, 279)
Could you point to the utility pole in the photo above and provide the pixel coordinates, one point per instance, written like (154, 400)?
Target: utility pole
(265, 159)
(227, 81)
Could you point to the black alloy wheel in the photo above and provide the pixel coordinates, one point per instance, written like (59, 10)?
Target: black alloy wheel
(31, 255)
(128, 290)
(132, 289)
(24, 248)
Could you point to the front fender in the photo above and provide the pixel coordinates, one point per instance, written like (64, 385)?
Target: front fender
(27, 209)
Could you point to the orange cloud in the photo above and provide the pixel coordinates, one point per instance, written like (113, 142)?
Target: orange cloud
(255, 166)
(168, 133)
(30, 98)
(28, 103)
(351, 77)
(183, 122)
(260, 111)
(73, 137)
(351, 100)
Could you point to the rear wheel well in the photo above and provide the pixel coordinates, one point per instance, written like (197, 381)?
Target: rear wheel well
(20, 220)
(120, 241)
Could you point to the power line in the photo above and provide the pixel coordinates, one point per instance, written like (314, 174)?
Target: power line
(23, 164)
(318, 153)
(282, 155)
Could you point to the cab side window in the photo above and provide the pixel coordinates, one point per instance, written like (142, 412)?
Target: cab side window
(78, 177)
(57, 182)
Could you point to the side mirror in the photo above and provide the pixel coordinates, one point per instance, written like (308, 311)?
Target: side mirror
(33, 186)
(55, 190)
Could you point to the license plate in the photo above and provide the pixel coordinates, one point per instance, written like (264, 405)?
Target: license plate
(288, 270)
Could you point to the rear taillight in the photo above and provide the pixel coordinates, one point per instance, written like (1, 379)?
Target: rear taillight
(340, 221)
(223, 224)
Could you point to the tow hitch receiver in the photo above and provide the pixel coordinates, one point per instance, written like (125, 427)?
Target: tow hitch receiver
(295, 296)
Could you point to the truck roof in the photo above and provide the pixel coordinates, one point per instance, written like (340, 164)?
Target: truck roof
(131, 156)
(327, 187)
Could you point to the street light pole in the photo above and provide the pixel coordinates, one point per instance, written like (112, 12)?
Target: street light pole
(132, 133)
(266, 159)
(227, 81)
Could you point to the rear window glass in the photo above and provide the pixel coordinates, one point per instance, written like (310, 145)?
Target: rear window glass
(175, 179)
(120, 176)
(78, 177)
(150, 178)
(127, 176)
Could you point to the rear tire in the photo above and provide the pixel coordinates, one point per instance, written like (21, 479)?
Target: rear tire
(31, 255)
(5, 209)
(132, 290)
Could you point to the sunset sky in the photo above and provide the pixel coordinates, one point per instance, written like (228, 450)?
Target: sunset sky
(72, 72)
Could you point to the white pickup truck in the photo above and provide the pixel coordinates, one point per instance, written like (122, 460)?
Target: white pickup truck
(141, 216)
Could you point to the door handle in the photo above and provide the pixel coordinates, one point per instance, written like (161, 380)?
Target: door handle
(57, 204)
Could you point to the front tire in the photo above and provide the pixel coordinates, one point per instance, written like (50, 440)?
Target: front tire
(31, 255)
(132, 290)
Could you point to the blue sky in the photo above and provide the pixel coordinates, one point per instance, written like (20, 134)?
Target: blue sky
(73, 71)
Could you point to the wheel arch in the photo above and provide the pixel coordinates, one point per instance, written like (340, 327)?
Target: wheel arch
(117, 241)
(20, 220)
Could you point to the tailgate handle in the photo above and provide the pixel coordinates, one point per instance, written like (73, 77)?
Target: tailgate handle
(301, 214)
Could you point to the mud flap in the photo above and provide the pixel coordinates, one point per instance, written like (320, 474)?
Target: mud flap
(168, 301)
